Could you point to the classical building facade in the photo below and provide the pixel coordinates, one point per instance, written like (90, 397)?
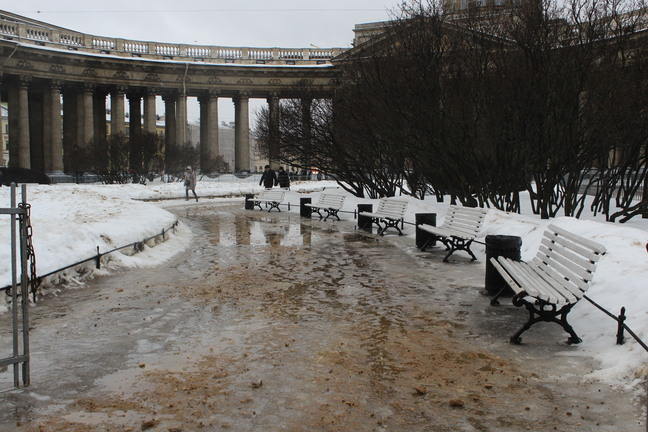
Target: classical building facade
(56, 83)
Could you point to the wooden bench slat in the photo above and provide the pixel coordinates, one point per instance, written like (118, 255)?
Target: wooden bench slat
(390, 213)
(554, 280)
(272, 197)
(574, 287)
(463, 223)
(575, 247)
(445, 232)
(460, 227)
(564, 292)
(598, 248)
(468, 230)
(515, 286)
(556, 249)
(330, 203)
(530, 281)
(567, 268)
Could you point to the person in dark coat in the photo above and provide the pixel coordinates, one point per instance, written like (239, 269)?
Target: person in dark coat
(268, 178)
(283, 178)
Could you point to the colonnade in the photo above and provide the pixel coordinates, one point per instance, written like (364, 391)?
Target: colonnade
(52, 121)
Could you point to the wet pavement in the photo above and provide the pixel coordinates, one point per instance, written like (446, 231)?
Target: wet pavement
(272, 322)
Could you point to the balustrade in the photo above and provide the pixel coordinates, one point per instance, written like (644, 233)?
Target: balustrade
(37, 34)
(291, 54)
(8, 29)
(198, 52)
(231, 53)
(103, 44)
(135, 47)
(71, 39)
(260, 54)
(167, 50)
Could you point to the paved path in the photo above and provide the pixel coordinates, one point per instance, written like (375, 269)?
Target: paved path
(275, 323)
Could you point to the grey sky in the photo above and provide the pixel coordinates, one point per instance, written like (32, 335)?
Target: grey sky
(261, 23)
(251, 23)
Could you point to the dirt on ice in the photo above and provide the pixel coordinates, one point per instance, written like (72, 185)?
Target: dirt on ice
(272, 322)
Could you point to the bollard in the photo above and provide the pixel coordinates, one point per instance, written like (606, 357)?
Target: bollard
(249, 205)
(496, 246)
(620, 323)
(424, 238)
(304, 210)
(364, 222)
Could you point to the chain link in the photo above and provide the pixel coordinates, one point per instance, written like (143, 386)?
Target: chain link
(25, 219)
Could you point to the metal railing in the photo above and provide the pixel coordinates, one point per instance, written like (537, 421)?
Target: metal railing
(19, 358)
(137, 246)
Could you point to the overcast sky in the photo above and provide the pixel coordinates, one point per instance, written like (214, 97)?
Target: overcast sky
(250, 23)
(255, 23)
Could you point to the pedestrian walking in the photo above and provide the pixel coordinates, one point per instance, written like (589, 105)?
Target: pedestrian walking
(283, 179)
(190, 183)
(268, 178)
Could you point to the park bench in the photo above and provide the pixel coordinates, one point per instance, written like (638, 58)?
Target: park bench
(554, 281)
(459, 229)
(390, 213)
(270, 197)
(329, 203)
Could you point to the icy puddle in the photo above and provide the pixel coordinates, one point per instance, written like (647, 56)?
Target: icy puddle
(275, 323)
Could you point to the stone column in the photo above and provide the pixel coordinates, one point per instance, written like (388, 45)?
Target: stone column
(24, 153)
(241, 133)
(169, 131)
(52, 131)
(48, 128)
(13, 124)
(212, 130)
(3, 161)
(274, 151)
(203, 102)
(117, 111)
(150, 118)
(37, 98)
(87, 115)
(208, 130)
(181, 120)
(99, 115)
(70, 127)
(135, 129)
(134, 113)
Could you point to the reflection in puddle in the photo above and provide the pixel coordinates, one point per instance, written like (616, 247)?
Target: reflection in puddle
(319, 273)
(229, 229)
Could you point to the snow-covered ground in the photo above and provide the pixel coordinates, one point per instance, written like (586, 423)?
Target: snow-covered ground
(71, 221)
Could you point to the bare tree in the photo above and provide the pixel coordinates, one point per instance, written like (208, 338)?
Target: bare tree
(486, 103)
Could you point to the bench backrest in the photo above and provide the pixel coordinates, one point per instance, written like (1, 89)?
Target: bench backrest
(466, 220)
(568, 259)
(272, 195)
(330, 201)
(392, 208)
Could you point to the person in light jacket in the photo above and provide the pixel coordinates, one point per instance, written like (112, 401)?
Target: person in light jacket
(268, 178)
(190, 183)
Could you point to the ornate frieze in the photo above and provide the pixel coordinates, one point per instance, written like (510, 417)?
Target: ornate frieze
(57, 69)
(152, 77)
(121, 75)
(24, 64)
